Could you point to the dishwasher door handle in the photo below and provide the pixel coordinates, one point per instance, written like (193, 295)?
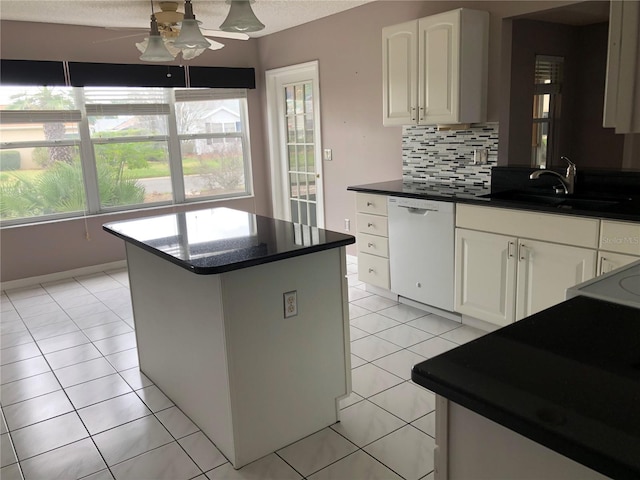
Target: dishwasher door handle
(418, 211)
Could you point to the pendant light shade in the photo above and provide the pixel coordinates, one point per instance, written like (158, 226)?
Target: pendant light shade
(241, 18)
(190, 34)
(156, 50)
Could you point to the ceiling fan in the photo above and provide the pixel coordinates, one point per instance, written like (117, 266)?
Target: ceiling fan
(169, 23)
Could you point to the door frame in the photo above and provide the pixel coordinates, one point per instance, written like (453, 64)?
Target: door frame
(275, 80)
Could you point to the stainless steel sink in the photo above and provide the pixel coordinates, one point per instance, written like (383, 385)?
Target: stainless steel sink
(559, 201)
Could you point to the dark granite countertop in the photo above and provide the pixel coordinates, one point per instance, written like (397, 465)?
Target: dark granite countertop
(219, 240)
(567, 377)
(628, 207)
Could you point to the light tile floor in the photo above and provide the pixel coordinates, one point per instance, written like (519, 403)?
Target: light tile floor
(75, 405)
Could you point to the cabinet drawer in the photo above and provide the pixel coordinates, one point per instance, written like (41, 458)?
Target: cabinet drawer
(372, 224)
(622, 237)
(373, 244)
(570, 230)
(370, 203)
(373, 270)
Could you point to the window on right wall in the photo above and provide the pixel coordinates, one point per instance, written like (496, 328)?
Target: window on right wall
(547, 102)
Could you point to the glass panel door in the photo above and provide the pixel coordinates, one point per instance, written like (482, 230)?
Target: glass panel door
(300, 151)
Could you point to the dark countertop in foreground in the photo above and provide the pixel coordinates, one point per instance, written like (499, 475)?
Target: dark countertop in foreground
(628, 210)
(567, 377)
(219, 240)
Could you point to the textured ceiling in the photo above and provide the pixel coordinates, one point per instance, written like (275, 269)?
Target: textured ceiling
(275, 14)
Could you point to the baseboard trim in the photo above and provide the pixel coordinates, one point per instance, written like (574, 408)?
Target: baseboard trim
(53, 277)
(456, 317)
(383, 292)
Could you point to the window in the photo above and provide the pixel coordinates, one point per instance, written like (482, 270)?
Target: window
(548, 80)
(212, 141)
(71, 151)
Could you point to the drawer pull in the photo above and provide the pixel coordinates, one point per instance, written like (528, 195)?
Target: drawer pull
(370, 245)
(371, 270)
(369, 204)
(369, 225)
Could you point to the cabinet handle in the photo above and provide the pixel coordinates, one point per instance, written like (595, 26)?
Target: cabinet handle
(369, 204)
(602, 260)
(371, 270)
(510, 249)
(369, 225)
(370, 244)
(521, 251)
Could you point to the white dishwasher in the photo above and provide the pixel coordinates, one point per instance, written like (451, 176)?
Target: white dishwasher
(421, 250)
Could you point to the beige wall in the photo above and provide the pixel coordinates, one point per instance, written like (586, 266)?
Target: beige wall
(348, 47)
(41, 249)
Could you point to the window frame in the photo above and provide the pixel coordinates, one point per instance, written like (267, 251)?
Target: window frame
(86, 144)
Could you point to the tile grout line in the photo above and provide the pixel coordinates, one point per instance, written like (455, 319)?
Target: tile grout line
(176, 440)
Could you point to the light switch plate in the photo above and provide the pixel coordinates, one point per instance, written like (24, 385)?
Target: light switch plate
(328, 154)
(290, 304)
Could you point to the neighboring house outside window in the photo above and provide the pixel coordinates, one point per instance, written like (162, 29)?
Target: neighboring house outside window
(71, 151)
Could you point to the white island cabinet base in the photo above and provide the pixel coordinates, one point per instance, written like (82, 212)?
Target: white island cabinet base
(220, 348)
(470, 446)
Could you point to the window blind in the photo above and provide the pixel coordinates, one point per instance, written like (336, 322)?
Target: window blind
(39, 116)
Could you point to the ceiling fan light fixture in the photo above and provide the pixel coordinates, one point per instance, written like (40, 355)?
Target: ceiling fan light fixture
(241, 18)
(190, 34)
(156, 50)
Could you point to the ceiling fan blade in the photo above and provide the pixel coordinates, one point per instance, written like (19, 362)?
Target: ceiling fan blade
(119, 29)
(219, 33)
(119, 38)
(215, 45)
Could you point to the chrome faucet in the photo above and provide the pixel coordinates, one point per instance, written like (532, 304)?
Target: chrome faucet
(568, 182)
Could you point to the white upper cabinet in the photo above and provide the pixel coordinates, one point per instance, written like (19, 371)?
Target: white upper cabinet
(622, 91)
(435, 69)
(400, 73)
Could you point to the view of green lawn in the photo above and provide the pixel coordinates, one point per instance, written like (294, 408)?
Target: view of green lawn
(190, 166)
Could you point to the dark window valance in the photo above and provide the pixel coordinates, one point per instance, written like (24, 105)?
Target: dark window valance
(31, 72)
(80, 74)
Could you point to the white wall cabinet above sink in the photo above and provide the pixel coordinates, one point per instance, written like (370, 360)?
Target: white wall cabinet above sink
(435, 69)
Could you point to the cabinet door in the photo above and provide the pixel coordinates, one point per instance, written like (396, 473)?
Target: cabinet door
(546, 270)
(485, 276)
(438, 68)
(608, 261)
(622, 90)
(399, 73)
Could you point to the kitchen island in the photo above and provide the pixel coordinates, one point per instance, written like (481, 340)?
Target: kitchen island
(242, 321)
(552, 396)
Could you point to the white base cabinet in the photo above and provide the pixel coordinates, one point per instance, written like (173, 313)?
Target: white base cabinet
(485, 276)
(609, 261)
(619, 245)
(372, 240)
(545, 271)
(470, 446)
(501, 278)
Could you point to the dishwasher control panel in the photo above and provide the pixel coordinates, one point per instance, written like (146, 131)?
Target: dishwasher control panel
(421, 204)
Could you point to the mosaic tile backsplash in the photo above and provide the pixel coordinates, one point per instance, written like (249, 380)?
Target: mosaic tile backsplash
(429, 155)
